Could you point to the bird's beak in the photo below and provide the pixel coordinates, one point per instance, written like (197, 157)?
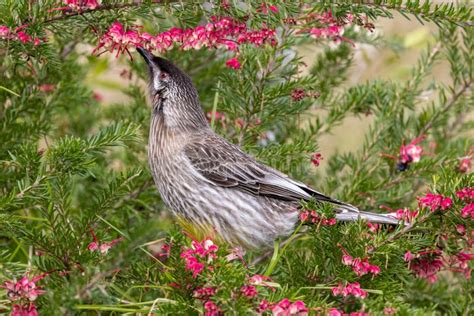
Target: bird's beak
(146, 55)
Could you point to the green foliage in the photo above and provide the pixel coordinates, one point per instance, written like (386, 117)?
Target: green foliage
(72, 165)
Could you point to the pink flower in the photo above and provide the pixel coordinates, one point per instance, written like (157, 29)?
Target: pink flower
(211, 309)
(285, 307)
(468, 210)
(4, 31)
(298, 94)
(335, 312)
(79, 4)
(316, 159)
(466, 194)
(204, 293)
(350, 289)
(426, 264)
(24, 289)
(359, 266)
(23, 37)
(435, 201)
(199, 250)
(310, 216)
(249, 291)
(233, 63)
(461, 229)
(408, 256)
(258, 279)
(411, 152)
(103, 247)
(465, 164)
(24, 310)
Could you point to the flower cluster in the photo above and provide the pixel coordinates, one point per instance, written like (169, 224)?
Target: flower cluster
(425, 264)
(435, 202)
(194, 256)
(18, 34)
(410, 153)
(81, 4)
(225, 32)
(349, 289)
(329, 27)
(284, 308)
(25, 291)
(360, 266)
(316, 159)
(310, 216)
(336, 312)
(102, 247)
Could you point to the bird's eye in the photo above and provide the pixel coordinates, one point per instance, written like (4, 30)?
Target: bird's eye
(163, 75)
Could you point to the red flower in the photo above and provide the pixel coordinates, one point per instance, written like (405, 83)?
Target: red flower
(468, 210)
(466, 194)
(316, 159)
(435, 202)
(249, 291)
(211, 309)
(298, 94)
(465, 164)
(205, 249)
(310, 216)
(103, 247)
(285, 307)
(425, 264)
(411, 152)
(47, 87)
(24, 289)
(4, 31)
(204, 293)
(24, 310)
(349, 289)
(233, 63)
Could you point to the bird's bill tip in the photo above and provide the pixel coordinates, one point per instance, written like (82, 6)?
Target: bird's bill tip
(145, 54)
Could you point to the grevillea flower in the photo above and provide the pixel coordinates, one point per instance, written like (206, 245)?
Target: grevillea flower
(24, 310)
(349, 289)
(316, 159)
(425, 264)
(358, 265)
(226, 33)
(435, 202)
(102, 247)
(18, 35)
(468, 210)
(461, 263)
(204, 293)
(81, 4)
(249, 291)
(233, 63)
(4, 31)
(25, 289)
(198, 254)
(211, 309)
(310, 216)
(411, 153)
(466, 194)
(285, 308)
(465, 163)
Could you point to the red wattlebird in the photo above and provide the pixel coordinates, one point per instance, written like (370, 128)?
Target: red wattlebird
(211, 185)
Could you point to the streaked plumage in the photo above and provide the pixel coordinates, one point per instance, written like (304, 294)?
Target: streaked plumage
(213, 184)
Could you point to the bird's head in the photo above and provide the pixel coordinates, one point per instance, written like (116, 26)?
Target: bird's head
(173, 94)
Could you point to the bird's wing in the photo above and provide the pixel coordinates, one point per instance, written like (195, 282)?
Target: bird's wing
(224, 164)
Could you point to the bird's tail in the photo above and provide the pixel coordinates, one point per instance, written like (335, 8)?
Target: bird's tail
(352, 214)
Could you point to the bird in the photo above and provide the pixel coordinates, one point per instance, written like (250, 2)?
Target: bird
(211, 185)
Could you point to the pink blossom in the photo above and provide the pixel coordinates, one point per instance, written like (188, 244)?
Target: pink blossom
(47, 87)
(233, 63)
(311, 216)
(298, 94)
(24, 310)
(81, 4)
(408, 256)
(204, 293)
(406, 214)
(25, 290)
(258, 279)
(466, 194)
(465, 164)
(426, 264)
(199, 250)
(4, 31)
(285, 308)
(373, 227)
(211, 309)
(461, 260)
(435, 201)
(335, 312)
(359, 266)
(263, 306)
(349, 289)
(461, 229)
(411, 152)
(103, 247)
(225, 32)
(316, 159)
(468, 210)
(249, 291)
(23, 37)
